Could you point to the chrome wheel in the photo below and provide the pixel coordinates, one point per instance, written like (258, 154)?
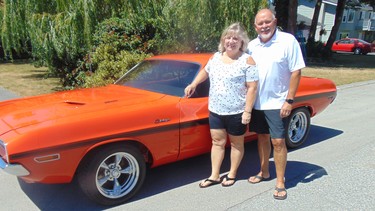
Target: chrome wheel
(357, 51)
(298, 127)
(112, 174)
(117, 175)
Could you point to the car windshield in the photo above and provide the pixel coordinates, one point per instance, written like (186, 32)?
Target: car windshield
(162, 76)
(364, 42)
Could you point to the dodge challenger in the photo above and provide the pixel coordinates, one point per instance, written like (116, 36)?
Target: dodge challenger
(107, 137)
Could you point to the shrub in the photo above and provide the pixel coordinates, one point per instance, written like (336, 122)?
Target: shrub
(314, 49)
(111, 65)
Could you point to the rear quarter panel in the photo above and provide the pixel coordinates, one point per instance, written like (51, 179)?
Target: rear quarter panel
(315, 93)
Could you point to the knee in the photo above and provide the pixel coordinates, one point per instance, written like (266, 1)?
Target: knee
(237, 143)
(278, 144)
(219, 142)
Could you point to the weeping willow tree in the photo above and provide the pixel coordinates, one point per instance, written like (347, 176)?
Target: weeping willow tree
(198, 24)
(60, 33)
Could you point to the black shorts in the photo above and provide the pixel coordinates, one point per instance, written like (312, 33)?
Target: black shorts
(268, 122)
(231, 123)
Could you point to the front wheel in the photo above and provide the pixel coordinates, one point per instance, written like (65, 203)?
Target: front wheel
(298, 127)
(113, 174)
(357, 51)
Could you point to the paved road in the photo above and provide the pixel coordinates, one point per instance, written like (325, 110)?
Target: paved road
(334, 170)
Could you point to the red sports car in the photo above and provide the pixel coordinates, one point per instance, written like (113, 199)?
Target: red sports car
(357, 46)
(107, 136)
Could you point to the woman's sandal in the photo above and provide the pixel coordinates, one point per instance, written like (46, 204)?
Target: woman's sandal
(212, 182)
(228, 179)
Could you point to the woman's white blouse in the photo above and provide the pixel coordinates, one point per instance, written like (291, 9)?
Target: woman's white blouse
(228, 89)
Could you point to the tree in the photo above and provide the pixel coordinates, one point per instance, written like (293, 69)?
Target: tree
(314, 21)
(281, 10)
(286, 15)
(60, 33)
(369, 2)
(338, 19)
(292, 17)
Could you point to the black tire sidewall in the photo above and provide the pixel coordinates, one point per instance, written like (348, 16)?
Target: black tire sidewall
(87, 173)
(289, 143)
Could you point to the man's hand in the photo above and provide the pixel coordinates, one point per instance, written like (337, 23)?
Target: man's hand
(286, 109)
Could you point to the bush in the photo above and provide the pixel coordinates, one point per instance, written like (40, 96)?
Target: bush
(111, 65)
(119, 45)
(314, 49)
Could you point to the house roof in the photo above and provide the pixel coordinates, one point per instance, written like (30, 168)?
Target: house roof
(332, 2)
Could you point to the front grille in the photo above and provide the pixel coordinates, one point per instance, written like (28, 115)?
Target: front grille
(3, 151)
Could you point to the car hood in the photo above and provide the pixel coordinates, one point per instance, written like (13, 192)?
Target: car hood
(23, 112)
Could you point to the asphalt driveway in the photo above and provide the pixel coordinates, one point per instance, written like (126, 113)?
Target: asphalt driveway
(333, 170)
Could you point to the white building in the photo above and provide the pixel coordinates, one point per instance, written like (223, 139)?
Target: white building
(357, 23)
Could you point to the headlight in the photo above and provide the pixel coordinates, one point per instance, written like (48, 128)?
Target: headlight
(3, 151)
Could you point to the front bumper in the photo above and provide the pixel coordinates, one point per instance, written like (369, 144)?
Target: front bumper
(14, 169)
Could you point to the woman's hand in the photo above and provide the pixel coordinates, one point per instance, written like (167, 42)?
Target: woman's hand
(246, 116)
(189, 90)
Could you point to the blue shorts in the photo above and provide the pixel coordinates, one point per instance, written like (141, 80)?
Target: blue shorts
(231, 123)
(268, 122)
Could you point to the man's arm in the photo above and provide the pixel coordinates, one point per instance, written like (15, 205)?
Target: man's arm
(293, 86)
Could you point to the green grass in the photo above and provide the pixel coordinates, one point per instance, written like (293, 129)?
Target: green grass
(24, 79)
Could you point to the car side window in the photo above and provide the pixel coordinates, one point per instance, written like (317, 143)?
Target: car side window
(162, 76)
(202, 89)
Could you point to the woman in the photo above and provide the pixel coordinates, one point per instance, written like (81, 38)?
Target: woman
(233, 84)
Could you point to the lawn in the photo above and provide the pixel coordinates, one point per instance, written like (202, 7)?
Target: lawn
(24, 79)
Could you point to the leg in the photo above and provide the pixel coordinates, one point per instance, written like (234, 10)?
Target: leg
(219, 139)
(236, 155)
(280, 156)
(264, 150)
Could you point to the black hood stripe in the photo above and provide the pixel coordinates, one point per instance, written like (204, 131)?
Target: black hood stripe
(93, 141)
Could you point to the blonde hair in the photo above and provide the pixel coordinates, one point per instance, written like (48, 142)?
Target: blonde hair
(238, 30)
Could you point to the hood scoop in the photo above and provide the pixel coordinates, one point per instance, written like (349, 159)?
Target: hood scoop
(74, 102)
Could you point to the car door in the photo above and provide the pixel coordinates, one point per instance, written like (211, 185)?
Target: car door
(195, 135)
(342, 45)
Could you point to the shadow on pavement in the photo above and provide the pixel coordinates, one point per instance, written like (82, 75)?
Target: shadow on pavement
(318, 134)
(175, 175)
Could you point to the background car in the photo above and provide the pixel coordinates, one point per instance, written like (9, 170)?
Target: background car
(355, 45)
(108, 136)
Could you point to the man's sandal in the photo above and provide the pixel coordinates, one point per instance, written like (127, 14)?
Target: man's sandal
(278, 190)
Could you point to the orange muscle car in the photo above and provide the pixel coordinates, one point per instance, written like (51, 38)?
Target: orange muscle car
(107, 136)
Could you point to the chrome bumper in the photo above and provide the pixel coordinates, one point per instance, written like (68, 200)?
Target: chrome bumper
(14, 169)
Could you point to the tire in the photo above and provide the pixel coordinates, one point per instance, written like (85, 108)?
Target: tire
(298, 127)
(357, 51)
(114, 164)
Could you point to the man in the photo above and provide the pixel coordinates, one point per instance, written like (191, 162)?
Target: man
(279, 60)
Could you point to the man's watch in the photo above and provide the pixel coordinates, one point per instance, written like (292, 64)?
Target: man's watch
(290, 101)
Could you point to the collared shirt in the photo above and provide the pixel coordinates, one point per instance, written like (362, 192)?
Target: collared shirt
(276, 60)
(228, 89)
